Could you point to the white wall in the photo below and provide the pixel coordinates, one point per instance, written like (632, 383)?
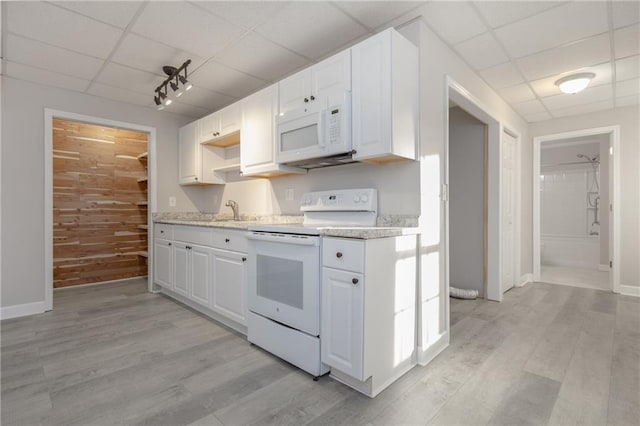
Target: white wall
(627, 119)
(22, 191)
(466, 200)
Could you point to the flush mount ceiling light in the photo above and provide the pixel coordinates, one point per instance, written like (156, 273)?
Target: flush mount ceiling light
(174, 79)
(575, 83)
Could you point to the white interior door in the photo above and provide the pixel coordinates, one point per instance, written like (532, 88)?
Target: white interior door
(508, 204)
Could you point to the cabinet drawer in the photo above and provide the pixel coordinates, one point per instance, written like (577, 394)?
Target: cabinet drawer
(342, 253)
(230, 240)
(163, 230)
(192, 234)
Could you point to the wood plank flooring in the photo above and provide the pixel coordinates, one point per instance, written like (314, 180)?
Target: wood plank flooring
(115, 354)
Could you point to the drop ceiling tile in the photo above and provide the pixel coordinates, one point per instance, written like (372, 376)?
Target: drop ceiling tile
(547, 86)
(627, 101)
(587, 96)
(499, 13)
(625, 13)
(312, 29)
(44, 56)
(121, 95)
(129, 78)
(529, 107)
(595, 50)
(482, 52)
(256, 56)
(453, 21)
(118, 13)
(206, 99)
(628, 68)
(519, 93)
(627, 41)
(148, 55)
(583, 108)
(246, 14)
(540, 116)
(60, 27)
(628, 87)
(554, 27)
(185, 27)
(188, 110)
(502, 75)
(373, 14)
(222, 79)
(48, 78)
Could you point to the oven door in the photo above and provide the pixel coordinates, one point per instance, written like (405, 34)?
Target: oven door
(284, 279)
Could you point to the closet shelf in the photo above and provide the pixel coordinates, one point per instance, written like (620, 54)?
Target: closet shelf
(145, 227)
(144, 179)
(143, 156)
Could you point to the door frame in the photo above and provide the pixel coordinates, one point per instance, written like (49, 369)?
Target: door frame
(614, 216)
(495, 128)
(49, 115)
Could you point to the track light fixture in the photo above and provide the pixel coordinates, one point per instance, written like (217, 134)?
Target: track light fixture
(174, 79)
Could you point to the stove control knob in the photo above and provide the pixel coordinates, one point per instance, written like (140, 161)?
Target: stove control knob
(364, 198)
(356, 199)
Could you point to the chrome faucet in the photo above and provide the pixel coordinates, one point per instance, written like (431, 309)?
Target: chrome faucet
(234, 207)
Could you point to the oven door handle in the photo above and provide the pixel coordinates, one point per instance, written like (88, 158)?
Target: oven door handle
(284, 239)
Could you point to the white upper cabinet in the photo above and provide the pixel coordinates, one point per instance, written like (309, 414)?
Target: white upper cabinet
(195, 161)
(215, 128)
(257, 135)
(385, 98)
(319, 86)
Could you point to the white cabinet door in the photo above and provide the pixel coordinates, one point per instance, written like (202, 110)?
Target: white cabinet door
(294, 90)
(229, 119)
(162, 263)
(331, 78)
(257, 147)
(342, 321)
(188, 154)
(199, 272)
(384, 97)
(208, 127)
(229, 277)
(181, 269)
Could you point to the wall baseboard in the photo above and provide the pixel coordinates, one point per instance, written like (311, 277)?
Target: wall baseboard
(525, 279)
(630, 290)
(604, 268)
(15, 311)
(425, 356)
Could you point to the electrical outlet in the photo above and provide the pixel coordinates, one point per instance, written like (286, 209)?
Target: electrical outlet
(289, 194)
(172, 201)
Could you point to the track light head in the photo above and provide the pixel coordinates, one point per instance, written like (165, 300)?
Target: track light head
(174, 86)
(157, 100)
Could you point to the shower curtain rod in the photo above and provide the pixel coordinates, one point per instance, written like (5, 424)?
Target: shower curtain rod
(567, 164)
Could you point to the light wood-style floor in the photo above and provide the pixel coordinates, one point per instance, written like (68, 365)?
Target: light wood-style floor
(115, 354)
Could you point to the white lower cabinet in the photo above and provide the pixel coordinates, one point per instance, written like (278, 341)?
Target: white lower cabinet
(213, 278)
(229, 279)
(342, 321)
(163, 264)
(368, 310)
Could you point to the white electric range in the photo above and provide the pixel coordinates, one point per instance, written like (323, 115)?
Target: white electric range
(284, 274)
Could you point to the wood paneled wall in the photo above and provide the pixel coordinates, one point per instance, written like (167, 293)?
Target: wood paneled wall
(99, 203)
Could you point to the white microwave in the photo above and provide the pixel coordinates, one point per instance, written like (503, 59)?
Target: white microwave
(314, 132)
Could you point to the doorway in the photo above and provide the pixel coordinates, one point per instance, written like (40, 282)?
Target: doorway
(575, 209)
(86, 200)
(496, 259)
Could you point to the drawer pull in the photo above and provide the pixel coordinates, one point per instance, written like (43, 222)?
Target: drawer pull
(339, 255)
(354, 281)
(169, 244)
(226, 240)
(244, 259)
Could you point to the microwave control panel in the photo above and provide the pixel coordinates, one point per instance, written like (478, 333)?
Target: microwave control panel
(335, 125)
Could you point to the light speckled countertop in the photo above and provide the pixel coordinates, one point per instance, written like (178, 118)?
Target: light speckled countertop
(363, 233)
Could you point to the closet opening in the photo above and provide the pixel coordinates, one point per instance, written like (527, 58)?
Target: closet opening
(97, 207)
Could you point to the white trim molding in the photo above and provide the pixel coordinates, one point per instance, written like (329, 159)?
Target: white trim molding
(425, 356)
(525, 279)
(614, 145)
(630, 290)
(604, 268)
(15, 311)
